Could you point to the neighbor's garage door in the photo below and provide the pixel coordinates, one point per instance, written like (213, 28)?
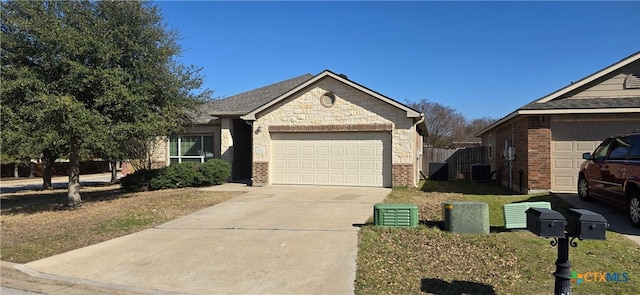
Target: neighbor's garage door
(340, 158)
(569, 139)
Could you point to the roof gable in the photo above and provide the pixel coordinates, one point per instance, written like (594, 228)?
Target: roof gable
(411, 113)
(584, 82)
(558, 103)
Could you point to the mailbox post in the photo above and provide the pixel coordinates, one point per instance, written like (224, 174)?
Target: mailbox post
(579, 223)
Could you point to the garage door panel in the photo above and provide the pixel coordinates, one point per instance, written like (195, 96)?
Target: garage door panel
(351, 151)
(308, 151)
(561, 146)
(336, 151)
(357, 159)
(570, 139)
(308, 164)
(293, 151)
(350, 165)
(586, 147)
(563, 163)
(307, 177)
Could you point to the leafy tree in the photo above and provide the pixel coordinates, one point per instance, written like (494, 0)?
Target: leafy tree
(91, 75)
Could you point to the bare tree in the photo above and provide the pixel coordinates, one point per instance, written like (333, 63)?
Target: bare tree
(474, 126)
(445, 124)
(141, 152)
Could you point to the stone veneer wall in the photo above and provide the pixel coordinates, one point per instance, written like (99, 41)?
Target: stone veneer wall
(226, 140)
(351, 108)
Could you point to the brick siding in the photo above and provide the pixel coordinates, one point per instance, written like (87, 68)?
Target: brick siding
(531, 137)
(539, 153)
(402, 175)
(260, 173)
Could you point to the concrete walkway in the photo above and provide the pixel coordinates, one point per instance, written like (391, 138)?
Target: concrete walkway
(271, 240)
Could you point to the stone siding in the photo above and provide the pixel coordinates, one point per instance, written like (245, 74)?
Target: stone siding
(352, 110)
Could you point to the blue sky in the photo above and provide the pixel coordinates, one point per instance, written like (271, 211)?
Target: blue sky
(483, 59)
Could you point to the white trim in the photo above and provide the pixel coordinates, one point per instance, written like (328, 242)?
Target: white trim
(590, 78)
(410, 112)
(579, 111)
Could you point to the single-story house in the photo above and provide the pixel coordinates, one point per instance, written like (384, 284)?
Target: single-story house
(549, 135)
(312, 130)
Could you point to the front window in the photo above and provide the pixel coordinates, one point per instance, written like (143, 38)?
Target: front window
(190, 148)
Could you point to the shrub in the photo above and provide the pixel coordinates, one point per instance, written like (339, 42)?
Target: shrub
(176, 176)
(138, 181)
(215, 171)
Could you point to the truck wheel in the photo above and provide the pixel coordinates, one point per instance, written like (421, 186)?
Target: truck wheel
(583, 189)
(634, 208)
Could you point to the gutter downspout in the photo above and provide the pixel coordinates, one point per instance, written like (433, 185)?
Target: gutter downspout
(419, 153)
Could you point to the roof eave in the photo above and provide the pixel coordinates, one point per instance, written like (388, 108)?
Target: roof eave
(227, 114)
(557, 112)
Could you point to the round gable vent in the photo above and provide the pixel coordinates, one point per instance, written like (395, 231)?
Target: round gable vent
(328, 100)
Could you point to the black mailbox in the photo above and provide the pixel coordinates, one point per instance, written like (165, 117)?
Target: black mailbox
(546, 222)
(586, 224)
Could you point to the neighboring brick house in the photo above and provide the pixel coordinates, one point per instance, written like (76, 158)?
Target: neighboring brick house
(551, 133)
(323, 129)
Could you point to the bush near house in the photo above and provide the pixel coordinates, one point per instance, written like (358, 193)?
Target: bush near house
(212, 172)
(215, 171)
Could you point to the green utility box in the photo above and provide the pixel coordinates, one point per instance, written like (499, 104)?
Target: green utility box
(399, 215)
(515, 215)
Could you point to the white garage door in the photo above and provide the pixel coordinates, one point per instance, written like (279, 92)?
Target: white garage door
(340, 158)
(569, 140)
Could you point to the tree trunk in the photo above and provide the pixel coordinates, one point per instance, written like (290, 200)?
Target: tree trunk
(47, 165)
(16, 173)
(73, 195)
(32, 167)
(114, 171)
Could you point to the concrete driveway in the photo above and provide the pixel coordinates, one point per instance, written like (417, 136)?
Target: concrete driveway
(617, 218)
(271, 240)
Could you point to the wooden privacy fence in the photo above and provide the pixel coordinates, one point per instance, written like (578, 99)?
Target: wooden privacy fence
(459, 161)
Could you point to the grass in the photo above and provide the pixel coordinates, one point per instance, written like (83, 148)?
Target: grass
(36, 225)
(429, 260)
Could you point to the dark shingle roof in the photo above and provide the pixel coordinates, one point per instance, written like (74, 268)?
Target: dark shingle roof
(585, 103)
(246, 102)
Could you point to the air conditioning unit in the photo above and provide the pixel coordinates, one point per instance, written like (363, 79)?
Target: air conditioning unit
(397, 215)
(480, 172)
(515, 215)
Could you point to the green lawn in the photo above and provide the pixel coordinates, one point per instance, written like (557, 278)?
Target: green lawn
(429, 260)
